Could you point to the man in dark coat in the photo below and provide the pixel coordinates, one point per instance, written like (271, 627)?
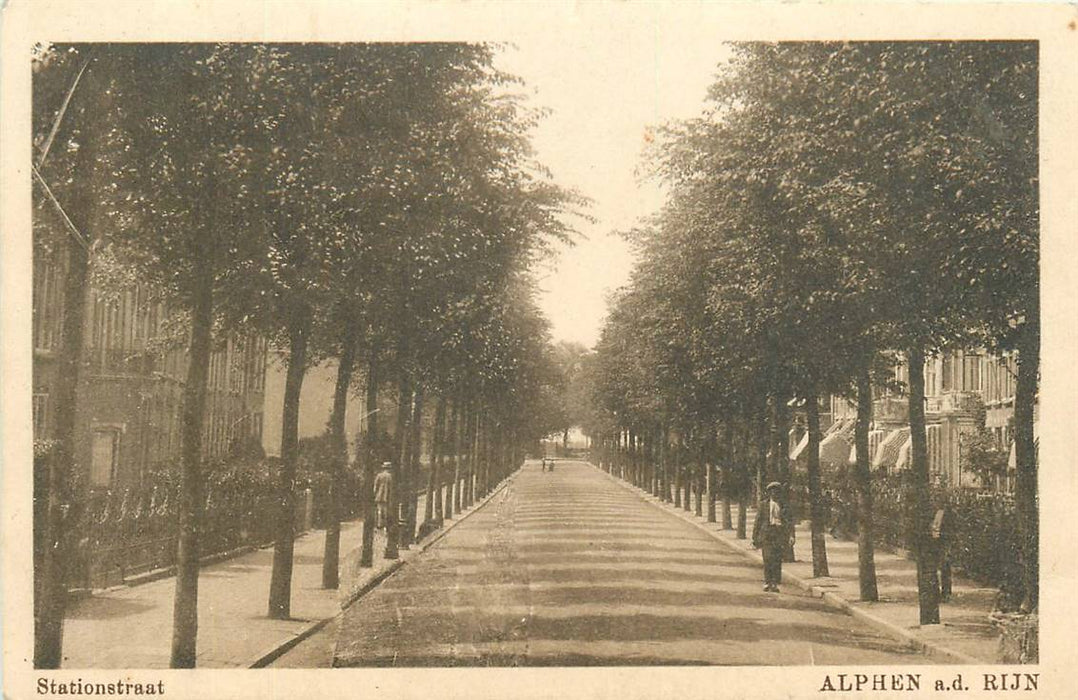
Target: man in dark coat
(941, 533)
(771, 532)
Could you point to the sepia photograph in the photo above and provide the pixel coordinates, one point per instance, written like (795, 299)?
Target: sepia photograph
(605, 347)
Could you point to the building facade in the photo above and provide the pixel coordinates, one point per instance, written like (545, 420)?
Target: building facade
(131, 382)
(964, 391)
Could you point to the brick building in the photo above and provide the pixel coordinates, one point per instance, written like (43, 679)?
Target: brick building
(131, 384)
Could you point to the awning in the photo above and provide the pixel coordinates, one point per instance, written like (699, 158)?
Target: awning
(903, 459)
(837, 427)
(874, 439)
(887, 453)
(834, 451)
(795, 436)
(799, 449)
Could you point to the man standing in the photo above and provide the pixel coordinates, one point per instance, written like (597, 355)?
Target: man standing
(383, 485)
(941, 533)
(770, 533)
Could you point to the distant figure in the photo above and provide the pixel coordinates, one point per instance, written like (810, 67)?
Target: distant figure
(941, 533)
(770, 532)
(544, 463)
(550, 467)
(383, 486)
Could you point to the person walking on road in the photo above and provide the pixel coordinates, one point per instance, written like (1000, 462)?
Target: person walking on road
(770, 533)
(383, 485)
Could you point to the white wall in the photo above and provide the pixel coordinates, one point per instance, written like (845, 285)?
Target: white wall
(315, 403)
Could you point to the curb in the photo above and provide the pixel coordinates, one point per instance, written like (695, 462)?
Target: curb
(276, 651)
(169, 571)
(836, 601)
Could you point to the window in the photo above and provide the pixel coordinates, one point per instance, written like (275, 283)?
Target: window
(971, 372)
(40, 408)
(947, 375)
(105, 450)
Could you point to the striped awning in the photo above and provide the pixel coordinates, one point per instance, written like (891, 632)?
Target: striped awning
(794, 437)
(875, 437)
(886, 455)
(834, 450)
(798, 452)
(903, 459)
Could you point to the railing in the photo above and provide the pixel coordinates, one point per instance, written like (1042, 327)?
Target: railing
(126, 533)
(120, 534)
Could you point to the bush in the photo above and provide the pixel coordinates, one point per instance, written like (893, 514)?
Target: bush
(984, 542)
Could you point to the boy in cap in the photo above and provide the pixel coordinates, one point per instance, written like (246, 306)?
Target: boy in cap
(769, 533)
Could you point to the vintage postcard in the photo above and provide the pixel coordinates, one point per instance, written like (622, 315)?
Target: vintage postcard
(541, 349)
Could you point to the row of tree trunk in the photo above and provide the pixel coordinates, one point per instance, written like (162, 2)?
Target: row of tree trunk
(731, 464)
(651, 460)
(469, 455)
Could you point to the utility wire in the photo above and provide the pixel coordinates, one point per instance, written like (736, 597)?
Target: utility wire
(63, 110)
(67, 220)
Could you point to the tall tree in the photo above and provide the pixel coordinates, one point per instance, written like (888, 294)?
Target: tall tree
(62, 111)
(174, 201)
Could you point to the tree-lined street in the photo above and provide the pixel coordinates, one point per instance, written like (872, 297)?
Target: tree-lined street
(832, 323)
(569, 568)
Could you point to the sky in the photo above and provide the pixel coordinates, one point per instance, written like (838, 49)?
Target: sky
(604, 89)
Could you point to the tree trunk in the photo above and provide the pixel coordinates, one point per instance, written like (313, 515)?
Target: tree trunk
(711, 487)
(482, 450)
(60, 506)
(661, 486)
(760, 422)
(866, 554)
(467, 441)
(55, 554)
(1025, 458)
(676, 459)
(698, 479)
(927, 573)
(685, 469)
(780, 458)
(332, 552)
(437, 467)
(728, 467)
(404, 412)
(280, 593)
(370, 456)
(185, 601)
(452, 501)
(817, 516)
(415, 454)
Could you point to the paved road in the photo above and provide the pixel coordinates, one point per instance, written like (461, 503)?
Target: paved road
(569, 568)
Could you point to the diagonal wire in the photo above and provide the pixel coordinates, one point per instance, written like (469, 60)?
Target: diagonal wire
(67, 220)
(63, 110)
